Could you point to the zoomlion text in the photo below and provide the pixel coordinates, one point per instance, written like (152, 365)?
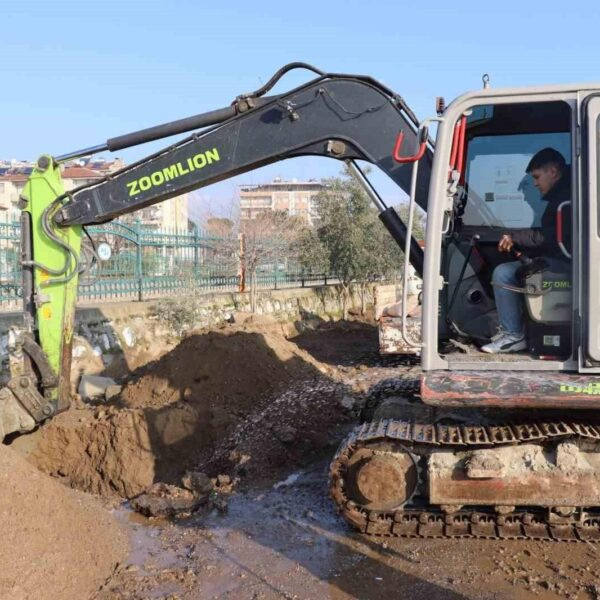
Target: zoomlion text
(158, 178)
(592, 389)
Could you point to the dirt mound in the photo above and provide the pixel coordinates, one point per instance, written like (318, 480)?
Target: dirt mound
(173, 410)
(56, 543)
(106, 452)
(344, 343)
(231, 365)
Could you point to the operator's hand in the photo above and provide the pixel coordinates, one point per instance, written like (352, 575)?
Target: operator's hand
(506, 243)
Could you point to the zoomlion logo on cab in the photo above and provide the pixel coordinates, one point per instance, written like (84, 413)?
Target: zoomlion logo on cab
(592, 389)
(158, 178)
(556, 285)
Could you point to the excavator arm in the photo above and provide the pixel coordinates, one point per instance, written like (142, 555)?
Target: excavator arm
(344, 117)
(340, 116)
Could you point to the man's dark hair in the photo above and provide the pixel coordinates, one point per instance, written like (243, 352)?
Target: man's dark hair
(545, 158)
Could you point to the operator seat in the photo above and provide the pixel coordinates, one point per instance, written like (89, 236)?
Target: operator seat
(549, 307)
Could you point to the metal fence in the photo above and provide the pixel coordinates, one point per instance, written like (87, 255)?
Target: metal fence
(147, 263)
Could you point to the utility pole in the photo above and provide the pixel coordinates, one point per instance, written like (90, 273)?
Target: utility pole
(242, 262)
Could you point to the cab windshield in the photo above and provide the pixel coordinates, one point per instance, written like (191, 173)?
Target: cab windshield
(501, 140)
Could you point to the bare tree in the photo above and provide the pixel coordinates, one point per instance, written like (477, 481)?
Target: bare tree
(218, 226)
(261, 243)
(267, 240)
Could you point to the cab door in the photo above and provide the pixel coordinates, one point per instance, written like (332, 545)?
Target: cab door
(590, 231)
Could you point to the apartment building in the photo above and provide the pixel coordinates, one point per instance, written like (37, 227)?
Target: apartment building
(171, 215)
(13, 176)
(296, 198)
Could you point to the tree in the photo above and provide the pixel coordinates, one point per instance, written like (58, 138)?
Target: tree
(218, 226)
(418, 231)
(312, 254)
(349, 237)
(266, 240)
(261, 242)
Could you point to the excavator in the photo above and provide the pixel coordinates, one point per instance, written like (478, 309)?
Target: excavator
(474, 444)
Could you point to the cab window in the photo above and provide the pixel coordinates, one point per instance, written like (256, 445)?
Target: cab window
(499, 193)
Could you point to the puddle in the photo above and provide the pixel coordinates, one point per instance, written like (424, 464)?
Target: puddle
(147, 553)
(290, 480)
(286, 542)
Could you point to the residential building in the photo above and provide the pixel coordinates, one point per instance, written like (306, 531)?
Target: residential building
(171, 215)
(13, 180)
(102, 165)
(13, 177)
(296, 198)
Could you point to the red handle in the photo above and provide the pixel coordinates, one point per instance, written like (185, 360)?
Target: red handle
(407, 159)
(455, 138)
(460, 159)
(559, 226)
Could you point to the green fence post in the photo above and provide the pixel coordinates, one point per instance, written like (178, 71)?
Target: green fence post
(196, 243)
(138, 259)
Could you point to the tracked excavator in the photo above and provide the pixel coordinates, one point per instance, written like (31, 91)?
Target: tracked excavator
(476, 444)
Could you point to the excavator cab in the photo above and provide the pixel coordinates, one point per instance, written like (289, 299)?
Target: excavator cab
(495, 445)
(472, 202)
(496, 196)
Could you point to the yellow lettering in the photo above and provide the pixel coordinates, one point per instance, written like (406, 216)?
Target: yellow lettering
(157, 178)
(133, 188)
(212, 155)
(199, 161)
(170, 172)
(173, 171)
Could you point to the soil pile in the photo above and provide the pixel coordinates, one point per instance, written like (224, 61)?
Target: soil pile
(105, 452)
(56, 543)
(174, 410)
(346, 343)
(231, 366)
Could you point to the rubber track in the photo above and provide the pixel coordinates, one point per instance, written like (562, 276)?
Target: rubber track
(430, 521)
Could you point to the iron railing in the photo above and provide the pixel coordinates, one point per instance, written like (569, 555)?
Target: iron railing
(149, 263)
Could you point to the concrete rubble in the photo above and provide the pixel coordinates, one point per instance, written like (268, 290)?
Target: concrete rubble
(96, 386)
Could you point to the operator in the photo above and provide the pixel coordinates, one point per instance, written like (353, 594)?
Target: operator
(551, 177)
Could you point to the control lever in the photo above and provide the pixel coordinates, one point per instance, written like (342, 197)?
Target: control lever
(529, 266)
(472, 243)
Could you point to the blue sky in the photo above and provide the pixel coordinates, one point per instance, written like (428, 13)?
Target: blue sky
(77, 73)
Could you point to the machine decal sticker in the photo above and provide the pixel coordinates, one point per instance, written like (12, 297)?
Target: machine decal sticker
(158, 178)
(556, 285)
(592, 388)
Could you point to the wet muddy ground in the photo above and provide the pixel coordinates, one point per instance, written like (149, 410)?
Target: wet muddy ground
(286, 542)
(267, 409)
(280, 537)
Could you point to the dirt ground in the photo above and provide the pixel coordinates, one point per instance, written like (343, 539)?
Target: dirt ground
(56, 542)
(264, 406)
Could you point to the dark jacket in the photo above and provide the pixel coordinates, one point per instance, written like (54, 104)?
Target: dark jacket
(541, 241)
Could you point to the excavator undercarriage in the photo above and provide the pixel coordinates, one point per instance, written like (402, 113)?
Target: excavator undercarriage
(469, 473)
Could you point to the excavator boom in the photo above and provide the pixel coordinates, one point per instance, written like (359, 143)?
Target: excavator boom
(345, 117)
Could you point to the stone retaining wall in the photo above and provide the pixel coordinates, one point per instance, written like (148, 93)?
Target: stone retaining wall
(111, 332)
